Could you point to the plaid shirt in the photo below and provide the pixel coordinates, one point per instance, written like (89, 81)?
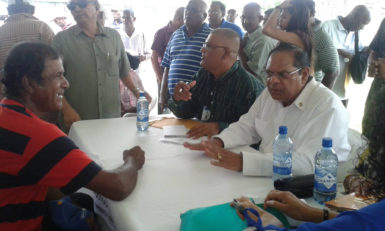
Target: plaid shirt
(227, 98)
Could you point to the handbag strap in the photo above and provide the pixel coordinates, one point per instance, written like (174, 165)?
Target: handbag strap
(356, 42)
(258, 224)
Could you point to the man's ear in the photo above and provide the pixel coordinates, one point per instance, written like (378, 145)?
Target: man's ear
(28, 85)
(204, 16)
(305, 74)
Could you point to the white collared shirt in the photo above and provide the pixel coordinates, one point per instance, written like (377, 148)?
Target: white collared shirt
(316, 113)
(342, 39)
(136, 44)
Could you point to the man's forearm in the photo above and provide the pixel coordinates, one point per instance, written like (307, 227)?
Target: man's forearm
(155, 65)
(164, 88)
(127, 81)
(345, 54)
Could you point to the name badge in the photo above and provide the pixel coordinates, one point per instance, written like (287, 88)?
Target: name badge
(205, 114)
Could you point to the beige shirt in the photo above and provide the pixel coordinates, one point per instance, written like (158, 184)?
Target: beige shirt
(21, 28)
(93, 68)
(257, 48)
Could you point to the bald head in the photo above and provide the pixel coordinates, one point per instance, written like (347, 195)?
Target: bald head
(358, 18)
(253, 6)
(179, 13)
(230, 38)
(199, 3)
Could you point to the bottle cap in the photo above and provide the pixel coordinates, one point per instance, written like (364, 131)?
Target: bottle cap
(282, 130)
(142, 94)
(327, 142)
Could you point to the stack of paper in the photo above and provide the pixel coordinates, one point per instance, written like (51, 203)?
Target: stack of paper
(174, 131)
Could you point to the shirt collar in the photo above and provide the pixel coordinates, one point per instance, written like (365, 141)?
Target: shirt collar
(20, 17)
(339, 25)
(11, 102)
(255, 34)
(169, 26)
(203, 27)
(317, 25)
(101, 29)
(228, 74)
(302, 101)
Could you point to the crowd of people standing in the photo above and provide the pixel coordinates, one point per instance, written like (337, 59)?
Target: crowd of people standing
(286, 68)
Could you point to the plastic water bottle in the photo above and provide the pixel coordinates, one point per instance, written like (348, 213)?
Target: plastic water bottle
(282, 155)
(325, 175)
(142, 112)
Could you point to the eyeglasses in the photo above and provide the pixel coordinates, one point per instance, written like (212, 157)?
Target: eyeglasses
(208, 46)
(82, 4)
(282, 74)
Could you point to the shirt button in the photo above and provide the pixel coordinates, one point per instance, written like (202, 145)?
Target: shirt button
(301, 104)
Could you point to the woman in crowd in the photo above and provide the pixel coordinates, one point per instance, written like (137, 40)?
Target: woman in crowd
(376, 70)
(292, 16)
(368, 218)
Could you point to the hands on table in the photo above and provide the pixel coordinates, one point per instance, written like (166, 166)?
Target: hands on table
(213, 148)
(135, 154)
(203, 129)
(283, 201)
(266, 217)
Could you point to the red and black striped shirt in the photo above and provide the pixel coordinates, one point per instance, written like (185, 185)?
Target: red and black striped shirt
(35, 155)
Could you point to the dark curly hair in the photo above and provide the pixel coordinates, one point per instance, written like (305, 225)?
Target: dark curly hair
(25, 60)
(299, 23)
(376, 159)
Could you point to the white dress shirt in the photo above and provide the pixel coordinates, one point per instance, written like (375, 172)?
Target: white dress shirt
(136, 44)
(344, 40)
(316, 113)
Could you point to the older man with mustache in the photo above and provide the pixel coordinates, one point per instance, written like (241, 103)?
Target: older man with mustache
(94, 60)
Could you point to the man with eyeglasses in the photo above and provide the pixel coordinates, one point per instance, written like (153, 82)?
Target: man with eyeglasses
(94, 60)
(255, 46)
(182, 57)
(217, 14)
(292, 98)
(222, 89)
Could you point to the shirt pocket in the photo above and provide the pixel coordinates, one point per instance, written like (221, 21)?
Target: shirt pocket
(113, 66)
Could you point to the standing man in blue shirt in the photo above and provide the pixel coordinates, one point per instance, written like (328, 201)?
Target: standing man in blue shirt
(183, 53)
(217, 13)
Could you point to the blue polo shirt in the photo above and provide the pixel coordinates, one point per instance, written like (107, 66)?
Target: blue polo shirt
(234, 27)
(183, 55)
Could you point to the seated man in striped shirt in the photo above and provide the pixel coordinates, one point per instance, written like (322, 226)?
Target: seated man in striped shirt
(222, 90)
(39, 163)
(183, 53)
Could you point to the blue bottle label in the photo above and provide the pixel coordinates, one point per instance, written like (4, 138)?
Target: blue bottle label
(325, 183)
(142, 115)
(282, 164)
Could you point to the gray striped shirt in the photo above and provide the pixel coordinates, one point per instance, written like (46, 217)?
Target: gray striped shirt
(21, 28)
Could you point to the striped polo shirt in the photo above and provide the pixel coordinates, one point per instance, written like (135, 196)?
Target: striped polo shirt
(183, 55)
(35, 155)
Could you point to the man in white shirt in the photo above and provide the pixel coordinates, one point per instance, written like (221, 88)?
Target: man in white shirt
(342, 32)
(292, 98)
(134, 42)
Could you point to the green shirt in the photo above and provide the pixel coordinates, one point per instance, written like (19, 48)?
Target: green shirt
(257, 48)
(93, 68)
(227, 98)
(326, 55)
